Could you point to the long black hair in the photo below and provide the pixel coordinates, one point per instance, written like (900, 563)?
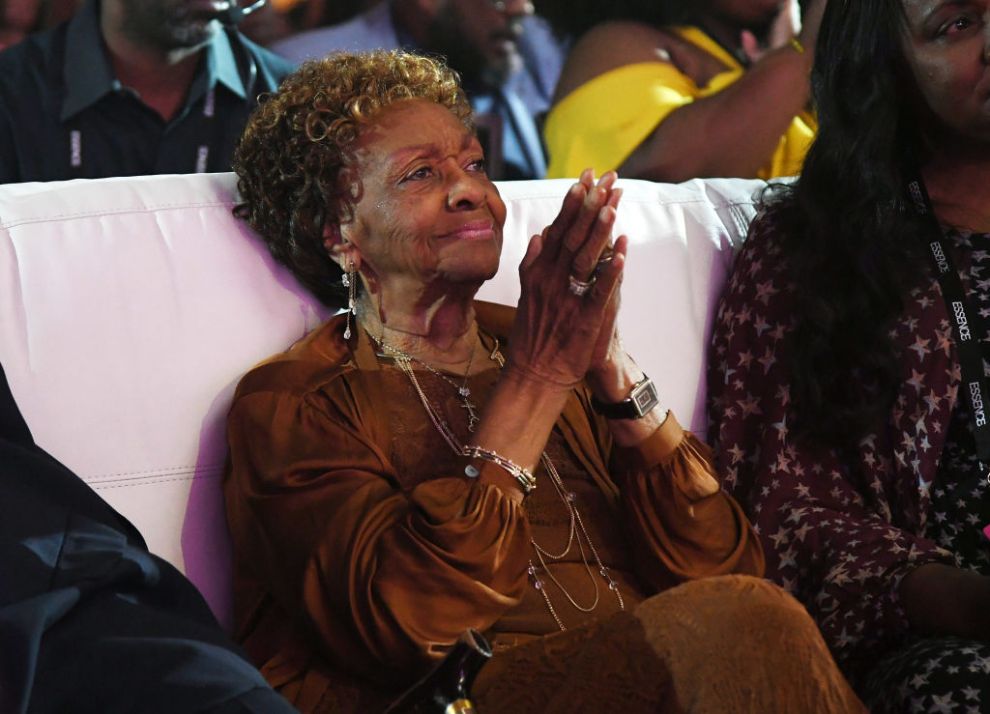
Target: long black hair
(848, 239)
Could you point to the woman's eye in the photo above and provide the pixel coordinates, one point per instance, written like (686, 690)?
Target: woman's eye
(956, 25)
(478, 165)
(423, 172)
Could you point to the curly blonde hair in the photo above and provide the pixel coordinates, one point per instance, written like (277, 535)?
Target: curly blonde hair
(298, 143)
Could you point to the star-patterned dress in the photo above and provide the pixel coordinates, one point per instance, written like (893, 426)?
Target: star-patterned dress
(840, 532)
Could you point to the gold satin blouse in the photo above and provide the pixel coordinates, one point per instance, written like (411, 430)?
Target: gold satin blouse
(362, 551)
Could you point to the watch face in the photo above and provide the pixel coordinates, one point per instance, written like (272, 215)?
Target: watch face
(645, 398)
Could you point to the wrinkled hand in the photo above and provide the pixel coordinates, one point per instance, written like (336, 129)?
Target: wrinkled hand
(556, 333)
(609, 348)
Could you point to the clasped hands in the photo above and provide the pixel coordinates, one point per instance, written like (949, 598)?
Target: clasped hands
(565, 328)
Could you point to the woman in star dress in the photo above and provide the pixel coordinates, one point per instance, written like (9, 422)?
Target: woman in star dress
(848, 378)
(381, 492)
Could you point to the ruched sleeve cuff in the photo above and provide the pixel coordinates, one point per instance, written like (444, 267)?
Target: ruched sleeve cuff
(683, 526)
(672, 449)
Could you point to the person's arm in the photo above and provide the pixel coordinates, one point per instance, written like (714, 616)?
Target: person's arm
(380, 576)
(828, 523)
(733, 132)
(555, 333)
(681, 524)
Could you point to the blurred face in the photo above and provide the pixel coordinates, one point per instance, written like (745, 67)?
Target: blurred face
(946, 45)
(427, 216)
(172, 24)
(479, 37)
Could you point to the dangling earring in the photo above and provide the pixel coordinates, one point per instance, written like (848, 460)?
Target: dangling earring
(349, 281)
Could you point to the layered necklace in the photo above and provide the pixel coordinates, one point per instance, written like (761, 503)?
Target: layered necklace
(577, 533)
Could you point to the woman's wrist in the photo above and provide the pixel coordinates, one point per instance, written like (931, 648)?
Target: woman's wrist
(519, 416)
(615, 382)
(614, 379)
(795, 52)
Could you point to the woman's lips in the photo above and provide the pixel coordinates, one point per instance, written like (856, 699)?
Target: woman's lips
(475, 230)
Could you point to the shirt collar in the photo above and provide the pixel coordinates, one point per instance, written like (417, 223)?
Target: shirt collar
(221, 65)
(87, 71)
(89, 75)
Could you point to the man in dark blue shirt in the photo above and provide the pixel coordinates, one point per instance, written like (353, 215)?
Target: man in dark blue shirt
(90, 621)
(130, 87)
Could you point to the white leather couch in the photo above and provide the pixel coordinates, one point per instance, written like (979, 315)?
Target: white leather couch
(129, 309)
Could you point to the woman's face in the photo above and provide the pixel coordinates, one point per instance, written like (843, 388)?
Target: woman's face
(427, 213)
(946, 45)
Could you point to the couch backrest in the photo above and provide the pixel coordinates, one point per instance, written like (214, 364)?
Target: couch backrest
(130, 307)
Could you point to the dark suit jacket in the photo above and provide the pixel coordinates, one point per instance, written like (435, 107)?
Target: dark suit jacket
(90, 621)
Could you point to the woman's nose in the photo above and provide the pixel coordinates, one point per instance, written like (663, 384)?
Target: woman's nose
(465, 192)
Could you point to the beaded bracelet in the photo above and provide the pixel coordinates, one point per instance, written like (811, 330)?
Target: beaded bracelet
(526, 479)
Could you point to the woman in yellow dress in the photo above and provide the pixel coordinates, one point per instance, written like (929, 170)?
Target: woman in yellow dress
(713, 88)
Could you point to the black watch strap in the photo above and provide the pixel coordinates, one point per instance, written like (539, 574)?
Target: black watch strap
(640, 402)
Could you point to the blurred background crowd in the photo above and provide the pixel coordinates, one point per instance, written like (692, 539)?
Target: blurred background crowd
(667, 90)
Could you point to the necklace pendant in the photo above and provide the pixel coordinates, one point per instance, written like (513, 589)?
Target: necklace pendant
(472, 415)
(464, 392)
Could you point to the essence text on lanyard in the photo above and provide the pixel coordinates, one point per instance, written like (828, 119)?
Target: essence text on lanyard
(970, 351)
(202, 151)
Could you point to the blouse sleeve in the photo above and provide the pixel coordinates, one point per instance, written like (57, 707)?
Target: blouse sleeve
(835, 542)
(682, 525)
(385, 578)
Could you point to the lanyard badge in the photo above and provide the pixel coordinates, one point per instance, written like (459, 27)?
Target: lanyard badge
(961, 316)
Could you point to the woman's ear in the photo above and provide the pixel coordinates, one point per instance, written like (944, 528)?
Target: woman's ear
(343, 251)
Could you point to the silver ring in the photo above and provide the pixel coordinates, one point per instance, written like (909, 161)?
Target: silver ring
(580, 287)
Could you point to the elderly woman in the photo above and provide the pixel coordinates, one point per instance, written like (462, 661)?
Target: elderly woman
(424, 464)
(850, 390)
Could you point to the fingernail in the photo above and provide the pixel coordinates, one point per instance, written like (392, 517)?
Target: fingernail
(606, 214)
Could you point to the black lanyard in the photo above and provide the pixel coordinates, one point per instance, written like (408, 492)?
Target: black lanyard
(964, 323)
